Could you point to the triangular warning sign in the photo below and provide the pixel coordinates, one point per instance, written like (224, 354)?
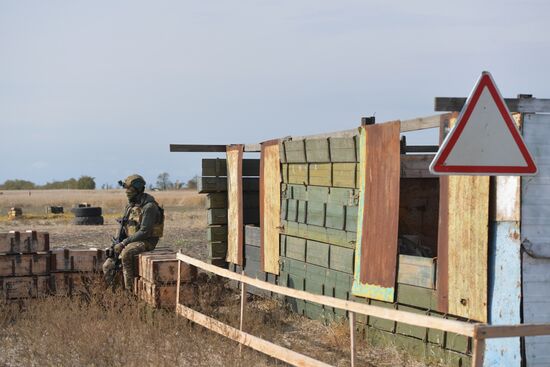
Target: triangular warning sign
(485, 140)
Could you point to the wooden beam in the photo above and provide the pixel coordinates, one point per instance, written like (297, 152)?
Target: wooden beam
(209, 148)
(524, 105)
(458, 327)
(261, 345)
(508, 331)
(352, 337)
(427, 122)
(478, 352)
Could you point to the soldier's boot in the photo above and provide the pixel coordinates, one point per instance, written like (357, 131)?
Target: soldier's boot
(109, 271)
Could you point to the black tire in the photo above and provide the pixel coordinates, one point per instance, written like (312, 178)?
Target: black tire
(87, 212)
(88, 221)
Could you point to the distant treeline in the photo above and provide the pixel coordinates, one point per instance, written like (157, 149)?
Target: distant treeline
(83, 183)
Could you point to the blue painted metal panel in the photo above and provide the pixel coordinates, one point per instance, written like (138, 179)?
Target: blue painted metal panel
(504, 292)
(535, 234)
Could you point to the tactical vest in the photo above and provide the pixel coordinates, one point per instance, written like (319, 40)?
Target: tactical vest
(134, 221)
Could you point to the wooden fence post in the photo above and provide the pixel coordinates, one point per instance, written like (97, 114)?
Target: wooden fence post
(352, 336)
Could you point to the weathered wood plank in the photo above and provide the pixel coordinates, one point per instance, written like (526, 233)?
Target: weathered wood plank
(24, 287)
(317, 253)
(83, 260)
(525, 105)
(320, 174)
(468, 246)
(341, 259)
(421, 123)
(295, 151)
(270, 206)
(235, 211)
(252, 235)
(344, 175)
(417, 271)
(296, 248)
(343, 150)
(377, 230)
(462, 328)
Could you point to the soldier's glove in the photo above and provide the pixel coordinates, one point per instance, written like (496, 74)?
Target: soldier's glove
(119, 247)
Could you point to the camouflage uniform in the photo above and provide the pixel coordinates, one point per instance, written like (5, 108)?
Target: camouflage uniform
(144, 227)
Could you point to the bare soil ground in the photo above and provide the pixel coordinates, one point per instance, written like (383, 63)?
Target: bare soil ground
(103, 328)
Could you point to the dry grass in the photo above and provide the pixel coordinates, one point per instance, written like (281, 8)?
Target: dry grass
(114, 329)
(112, 201)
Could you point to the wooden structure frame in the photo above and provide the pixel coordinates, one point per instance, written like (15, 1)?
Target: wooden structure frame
(479, 332)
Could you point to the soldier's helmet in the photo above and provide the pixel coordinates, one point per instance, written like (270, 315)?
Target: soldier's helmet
(133, 180)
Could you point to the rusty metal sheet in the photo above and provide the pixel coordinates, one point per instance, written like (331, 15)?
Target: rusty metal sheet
(235, 204)
(270, 206)
(377, 225)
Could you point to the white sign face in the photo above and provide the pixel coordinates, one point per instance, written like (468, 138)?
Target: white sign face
(485, 140)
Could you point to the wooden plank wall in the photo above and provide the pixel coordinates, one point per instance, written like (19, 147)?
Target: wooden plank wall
(375, 271)
(535, 237)
(270, 205)
(235, 204)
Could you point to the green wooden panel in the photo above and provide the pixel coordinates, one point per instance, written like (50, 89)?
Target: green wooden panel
(344, 175)
(217, 249)
(343, 150)
(219, 216)
(298, 174)
(216, 216)
(282, 245)
(219, 261)
(315, 213)
(413, 346)
(343, 196)
(417, 271)
(299, 192)
(292, 210)
(252, 235)
(317, 253)
(416, 296)
(436, 336)
(217, 200)
(313, 286)
(320, 174)
(351, 218)
(317, 150)
(219, 184)
(252, 253)
(284, 172)
(335, 216)
(284, 207)
(316, 273)
(379, 323)
(218, 167)
(341, 259)
(301, 211)
(296, 248)
(297, 268)
(282, 154)
(295, 151)
(216, 233)
(411, 330)
(322, 234)
(314, 311)
(317, 194)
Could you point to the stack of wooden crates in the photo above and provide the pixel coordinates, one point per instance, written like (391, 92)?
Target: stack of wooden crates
(214, 183)
(24, 265)
(156, 283)
(73, 269)
(15, 213)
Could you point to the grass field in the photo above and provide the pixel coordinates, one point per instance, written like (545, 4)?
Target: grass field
(102, 328)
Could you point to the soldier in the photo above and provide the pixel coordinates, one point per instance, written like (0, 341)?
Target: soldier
(143, 223)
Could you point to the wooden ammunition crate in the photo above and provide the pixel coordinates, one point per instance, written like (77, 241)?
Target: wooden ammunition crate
(164, 295)
(24, 264)
(24, 287)
(163, 268)
(24, 242)
(77, 260)
(69, 284)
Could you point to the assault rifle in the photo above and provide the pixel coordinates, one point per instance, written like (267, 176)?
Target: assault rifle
(121, 236)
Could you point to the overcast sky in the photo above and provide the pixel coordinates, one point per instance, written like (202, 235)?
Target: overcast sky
(103, 87)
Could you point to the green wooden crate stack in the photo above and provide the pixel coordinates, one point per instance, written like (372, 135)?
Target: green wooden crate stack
(319, 210)
(213, 183)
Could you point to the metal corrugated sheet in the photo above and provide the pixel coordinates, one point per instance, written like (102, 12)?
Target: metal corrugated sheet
(535, 233)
